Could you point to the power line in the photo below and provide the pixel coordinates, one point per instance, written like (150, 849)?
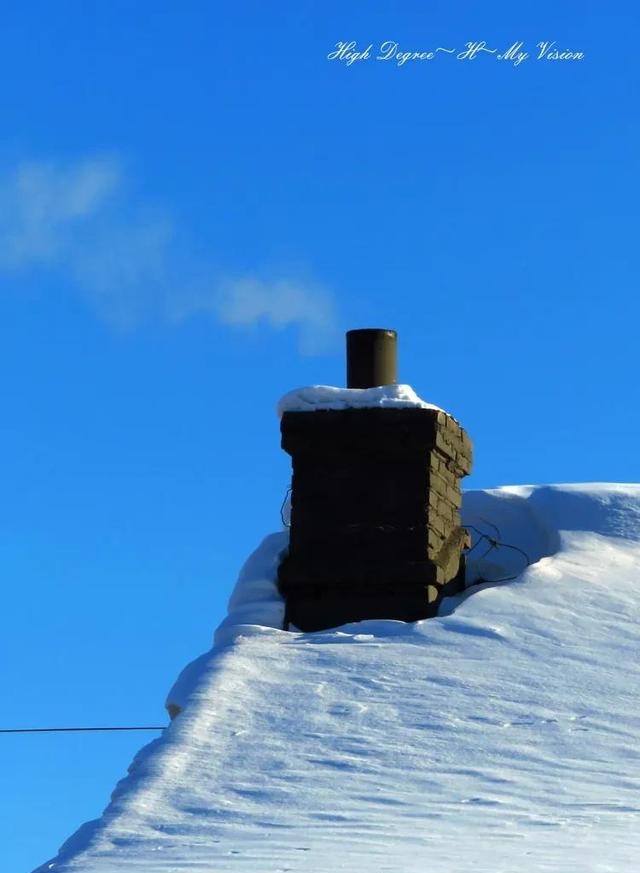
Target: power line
(52, 730)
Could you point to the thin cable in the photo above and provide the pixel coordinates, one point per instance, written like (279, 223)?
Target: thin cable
(482, 534)
(490, 523)
(494, 544)
(77, 729)
(484, 554)
(474, 546)
(517, 549)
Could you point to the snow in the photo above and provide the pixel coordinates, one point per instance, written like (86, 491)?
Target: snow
(501, 736)
(317, 397)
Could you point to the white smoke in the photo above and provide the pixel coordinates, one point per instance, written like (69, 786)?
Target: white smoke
(80, 219)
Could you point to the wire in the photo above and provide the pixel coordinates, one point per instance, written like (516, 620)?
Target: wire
(490, 523)
(485, 553)
(481, 533)
(474, 546)
(76, 729)
(516, 549)
(494, 544)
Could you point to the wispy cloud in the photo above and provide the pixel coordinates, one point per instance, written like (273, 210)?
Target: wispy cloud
(126, 259)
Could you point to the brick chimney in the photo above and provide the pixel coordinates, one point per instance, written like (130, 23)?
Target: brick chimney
(375, 506)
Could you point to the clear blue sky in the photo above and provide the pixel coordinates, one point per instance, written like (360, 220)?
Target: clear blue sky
(194, 204)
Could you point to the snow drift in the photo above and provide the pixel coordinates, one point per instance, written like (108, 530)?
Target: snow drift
(500, 736)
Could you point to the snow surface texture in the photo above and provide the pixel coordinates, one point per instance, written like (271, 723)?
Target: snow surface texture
(327, 397)
(501, 736)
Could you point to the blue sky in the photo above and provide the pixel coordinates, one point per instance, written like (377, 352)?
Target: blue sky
(195, 203)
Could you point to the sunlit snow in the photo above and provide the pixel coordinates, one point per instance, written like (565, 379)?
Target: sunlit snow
(501, 736)
(317, 397)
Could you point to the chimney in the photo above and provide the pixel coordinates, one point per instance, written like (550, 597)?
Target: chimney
(375, 506)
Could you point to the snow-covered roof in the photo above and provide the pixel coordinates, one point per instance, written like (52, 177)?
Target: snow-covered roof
(501, 735)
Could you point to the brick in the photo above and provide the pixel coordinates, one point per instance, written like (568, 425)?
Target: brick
(454, 496)
(433, 593)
